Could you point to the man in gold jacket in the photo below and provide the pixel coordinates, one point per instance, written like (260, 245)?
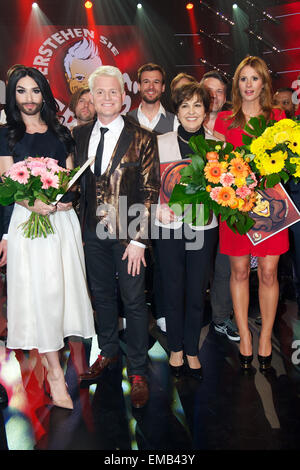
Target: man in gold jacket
(117, 191)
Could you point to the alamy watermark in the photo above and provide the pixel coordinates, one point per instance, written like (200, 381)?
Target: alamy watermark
(296, 354)
(296, 94)
(137, 222)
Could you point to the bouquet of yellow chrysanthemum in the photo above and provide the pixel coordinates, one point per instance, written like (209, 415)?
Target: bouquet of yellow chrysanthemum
(219, 178)
(273, 150)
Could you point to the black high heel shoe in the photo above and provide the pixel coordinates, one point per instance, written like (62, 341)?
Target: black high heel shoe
(196, 374)
(246, 361)
(177, 371)
(264, 362)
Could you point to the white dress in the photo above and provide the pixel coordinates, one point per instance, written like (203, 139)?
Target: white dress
(47, 295)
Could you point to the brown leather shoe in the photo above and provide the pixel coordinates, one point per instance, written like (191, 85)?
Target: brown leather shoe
(139, 391)
(94, 371)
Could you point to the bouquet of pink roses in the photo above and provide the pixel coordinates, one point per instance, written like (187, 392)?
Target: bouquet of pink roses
(35, 178)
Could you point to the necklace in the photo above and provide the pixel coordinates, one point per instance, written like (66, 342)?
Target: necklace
(192, 133)
(183, 140)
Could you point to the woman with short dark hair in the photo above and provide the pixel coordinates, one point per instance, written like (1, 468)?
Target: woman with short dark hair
(185, 252)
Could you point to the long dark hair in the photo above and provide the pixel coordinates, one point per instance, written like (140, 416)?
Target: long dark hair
(50, 108)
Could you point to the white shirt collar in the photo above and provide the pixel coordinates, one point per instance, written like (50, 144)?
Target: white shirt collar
(114, 126)
(160, 111)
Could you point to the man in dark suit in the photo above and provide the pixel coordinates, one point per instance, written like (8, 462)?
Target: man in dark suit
(125, 173)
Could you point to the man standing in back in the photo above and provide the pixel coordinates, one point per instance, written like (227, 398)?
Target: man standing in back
(151, 114)
(220, 295)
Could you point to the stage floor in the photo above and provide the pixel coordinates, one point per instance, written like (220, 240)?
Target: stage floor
(228, 410)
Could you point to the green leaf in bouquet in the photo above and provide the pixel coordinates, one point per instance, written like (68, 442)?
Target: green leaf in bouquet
(31, 200)
(284, 176)
(211, 144)
(271, 180)
(40, 195)
(195, 213)
(189, 214)
(6, 193)
(20, 195)
(256, 126)
(277, 148)
(207, 213)
(290, 167)
(197, 163)
(193, 188)
(262, 183)
(244, 223)
(36, 184)
(247, 139)
(199, 145)
(201, 214)
(228, 147)
(224, 213)
(178, 195)
(187, 170)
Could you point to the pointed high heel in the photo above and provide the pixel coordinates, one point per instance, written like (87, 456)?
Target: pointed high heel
(66, 401)
(264, 362)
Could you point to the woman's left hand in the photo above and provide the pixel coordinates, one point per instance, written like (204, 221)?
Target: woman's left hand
(64, 206)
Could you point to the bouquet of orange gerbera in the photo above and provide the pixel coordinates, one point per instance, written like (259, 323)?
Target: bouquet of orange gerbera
(219, 178)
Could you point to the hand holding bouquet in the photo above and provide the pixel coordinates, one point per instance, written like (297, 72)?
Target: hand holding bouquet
(32, 179)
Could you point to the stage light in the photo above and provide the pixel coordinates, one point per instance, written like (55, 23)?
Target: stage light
(34, 5)
(139, 6)
(189, 6)
(234, 6)
(88, 4)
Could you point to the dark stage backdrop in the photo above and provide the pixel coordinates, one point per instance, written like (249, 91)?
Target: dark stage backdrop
(286, 36)
(165, 39)
(67, 55)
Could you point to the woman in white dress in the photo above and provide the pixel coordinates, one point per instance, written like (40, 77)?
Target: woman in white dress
(46, 281)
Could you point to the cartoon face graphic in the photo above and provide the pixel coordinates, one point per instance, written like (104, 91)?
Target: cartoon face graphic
(270, 211)
(81, 60)
(262, 207)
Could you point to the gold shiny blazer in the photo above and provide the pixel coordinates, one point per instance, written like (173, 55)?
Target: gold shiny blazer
(133, 171)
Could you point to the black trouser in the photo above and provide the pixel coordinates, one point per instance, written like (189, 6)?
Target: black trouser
(103, 261)
(185, 275)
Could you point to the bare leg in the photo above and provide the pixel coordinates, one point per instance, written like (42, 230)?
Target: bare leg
(239, 286)
(56, 379)
(268, 299)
